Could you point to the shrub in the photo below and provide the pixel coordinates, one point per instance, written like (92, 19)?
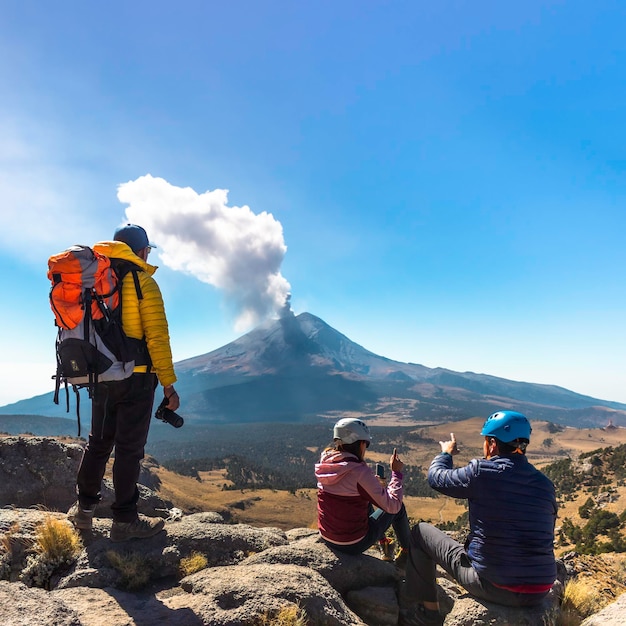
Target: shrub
(554, 428)
(461, 523)
(585, 510)
(132, 567)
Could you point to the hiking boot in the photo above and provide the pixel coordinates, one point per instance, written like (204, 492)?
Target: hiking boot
(418, 615)
(82, 518)
(141, 528)
(386, 549)
(402, 556)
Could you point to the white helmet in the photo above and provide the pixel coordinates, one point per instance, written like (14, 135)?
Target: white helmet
(350, 430)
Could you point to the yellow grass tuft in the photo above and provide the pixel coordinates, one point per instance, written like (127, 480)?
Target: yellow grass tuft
(580, 600)
(290, 615)
(193, 563)
(56, 540)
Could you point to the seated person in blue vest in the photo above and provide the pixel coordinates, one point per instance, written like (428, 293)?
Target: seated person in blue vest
(508, 557)
(354, 507)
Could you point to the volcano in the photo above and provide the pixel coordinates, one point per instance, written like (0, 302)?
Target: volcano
(299, 367)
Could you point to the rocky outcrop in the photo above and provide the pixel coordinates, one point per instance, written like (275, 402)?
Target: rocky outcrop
(41, 472)
(228, 590)
(247, 574)
(38, 471)
(201, 570)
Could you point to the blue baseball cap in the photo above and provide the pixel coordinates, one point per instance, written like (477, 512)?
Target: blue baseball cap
(134, 236)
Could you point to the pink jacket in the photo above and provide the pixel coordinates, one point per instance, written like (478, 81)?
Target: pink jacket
(346, 487)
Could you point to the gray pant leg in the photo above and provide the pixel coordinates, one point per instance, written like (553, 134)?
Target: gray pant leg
(429, 547)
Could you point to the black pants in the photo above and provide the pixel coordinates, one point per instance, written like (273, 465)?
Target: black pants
(120, 418)
(431, 546)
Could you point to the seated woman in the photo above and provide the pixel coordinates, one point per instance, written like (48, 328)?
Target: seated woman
(354, 509)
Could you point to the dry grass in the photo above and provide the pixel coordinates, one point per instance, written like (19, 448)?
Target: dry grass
(57, 540)
(291, 615)
(580, 600)
(5, 539)
(261, 507)
(193, 563)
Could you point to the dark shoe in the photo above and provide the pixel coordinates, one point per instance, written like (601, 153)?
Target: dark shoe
(80, 517)
(418, 615)
(141, 528)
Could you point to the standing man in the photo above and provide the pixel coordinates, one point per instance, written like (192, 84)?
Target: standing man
(121, 410)
(508, 557)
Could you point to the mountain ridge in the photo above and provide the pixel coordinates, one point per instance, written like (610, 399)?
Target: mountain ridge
(299, 368)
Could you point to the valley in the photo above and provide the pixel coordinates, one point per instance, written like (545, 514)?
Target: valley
(296, 506)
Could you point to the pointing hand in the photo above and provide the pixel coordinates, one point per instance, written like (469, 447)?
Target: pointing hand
(449, 446)
(395, 463)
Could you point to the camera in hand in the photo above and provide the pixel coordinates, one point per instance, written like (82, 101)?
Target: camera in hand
(167, 415)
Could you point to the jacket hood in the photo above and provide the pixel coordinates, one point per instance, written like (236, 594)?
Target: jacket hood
(334, 465)
(121, 250)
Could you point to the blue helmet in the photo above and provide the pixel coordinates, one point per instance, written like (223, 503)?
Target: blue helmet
(507, 426)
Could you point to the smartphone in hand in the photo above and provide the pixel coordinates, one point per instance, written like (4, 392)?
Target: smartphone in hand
(380, 470)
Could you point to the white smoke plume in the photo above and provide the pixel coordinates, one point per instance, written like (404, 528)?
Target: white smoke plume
(229, 247)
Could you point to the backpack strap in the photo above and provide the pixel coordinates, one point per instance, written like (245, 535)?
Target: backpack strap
(135, 274)
(77, 406)
(143, 355)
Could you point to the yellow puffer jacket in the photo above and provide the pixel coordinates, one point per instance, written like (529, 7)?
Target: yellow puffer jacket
(145, 317)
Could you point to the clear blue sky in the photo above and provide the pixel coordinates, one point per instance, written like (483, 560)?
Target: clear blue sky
(449, 176)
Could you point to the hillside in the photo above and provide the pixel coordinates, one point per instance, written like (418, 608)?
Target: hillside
(264, 475)
(300, 369)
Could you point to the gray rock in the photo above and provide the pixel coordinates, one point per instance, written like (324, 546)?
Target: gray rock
(612, 615)
(344, 572)
(23, 606)
(149, 503)
(463, 609)
(376, 606)
(38, 471)
(295, 534)
(221, 544)
(41, 471)
(224, 596)
(113, 607)
(239, 595)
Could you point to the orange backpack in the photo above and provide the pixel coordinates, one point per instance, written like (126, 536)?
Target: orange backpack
(85, 298)
(78, 274)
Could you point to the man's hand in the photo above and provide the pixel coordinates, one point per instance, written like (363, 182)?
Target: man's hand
(172, 397)
(395, 463)
(449, 446)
